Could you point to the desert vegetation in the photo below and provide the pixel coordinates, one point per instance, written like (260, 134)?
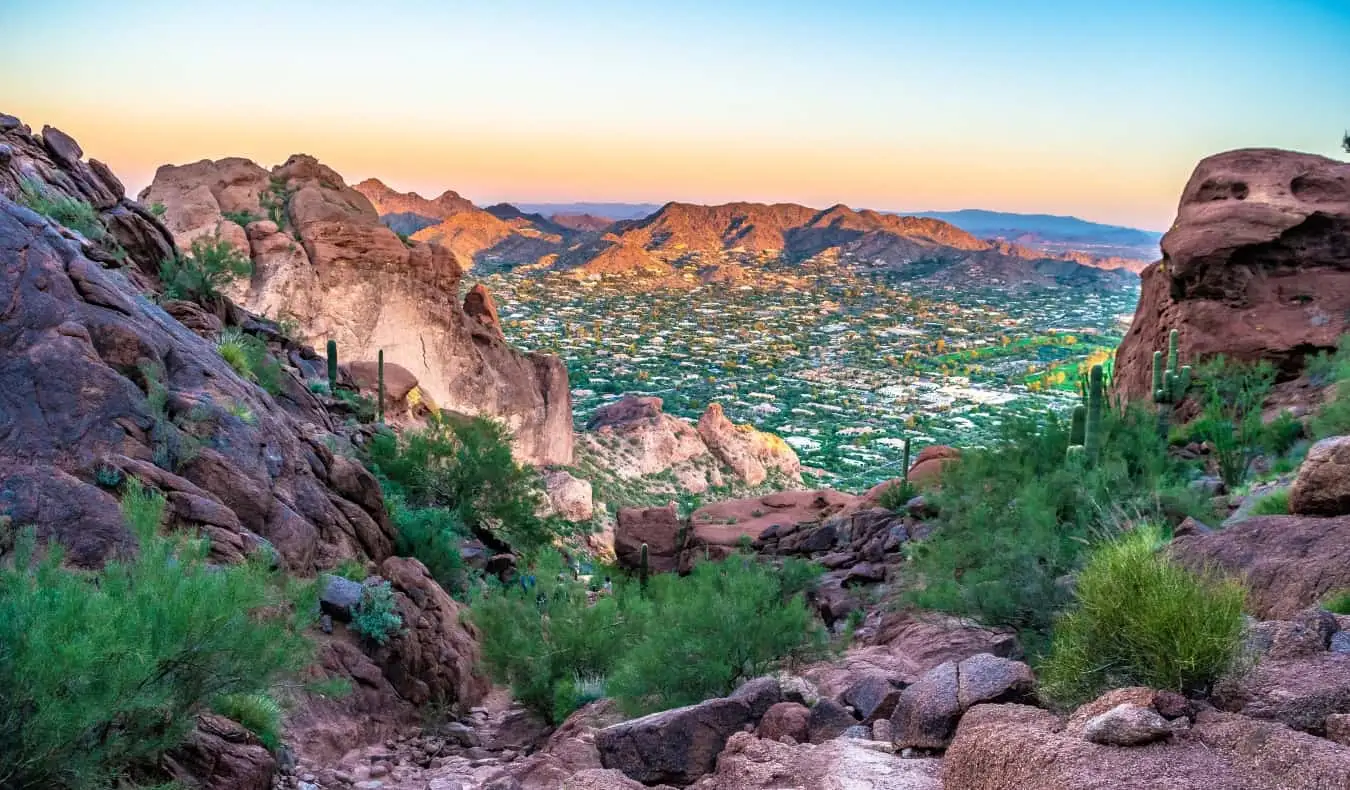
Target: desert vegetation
(198, 275)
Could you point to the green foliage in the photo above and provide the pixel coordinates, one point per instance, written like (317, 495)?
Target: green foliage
(375, 617)
(1338, 602)
(232, 347)
(332, 366)
(896, 495)
(1171, 382)
(73, 213)
(1281, 434)
(467, 468)
(250, 358)
(240, 218)
(257, 711)
(1333, 419)
(1141, 620)
(1016, 519)
(1230, 418)
(211, 264)
(685, 640)
(101, 674)
(273, 201)
(1096, 407)
(108, 476)
(432, 535)
(157, 209)
(352, 570)
(1273, 504)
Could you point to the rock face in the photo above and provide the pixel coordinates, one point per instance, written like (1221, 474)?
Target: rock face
(222, 755)
(1322, 487)
(632, 437)
(568, 496)
(1015, 746)
(1255, 267)
(332, 267)
(927, 712)
(84, 347)
(1300, 693)
(1288, 562)
(674, 746)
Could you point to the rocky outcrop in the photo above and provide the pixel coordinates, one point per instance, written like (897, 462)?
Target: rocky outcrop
(568, 496)
(1006, 746)
(927, 713)
(323, 259)
(632, 437)
(926, 470)
(1322, 487)
(1255, 267)
(222, 755)
(85, 350)
(751, 454)
(674, 746)
(1287, 562)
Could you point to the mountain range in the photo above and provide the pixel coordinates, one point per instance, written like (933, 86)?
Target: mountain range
(711, 239)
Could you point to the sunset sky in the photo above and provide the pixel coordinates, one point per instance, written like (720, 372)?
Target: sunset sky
(1095, 109)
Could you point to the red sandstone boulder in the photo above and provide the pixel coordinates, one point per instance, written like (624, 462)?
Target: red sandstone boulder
(751, 454)
(659, 528)
(927, 468)
(1255, 267)
(222, 755)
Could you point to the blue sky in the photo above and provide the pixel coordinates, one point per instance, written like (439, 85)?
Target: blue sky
(1095, 109)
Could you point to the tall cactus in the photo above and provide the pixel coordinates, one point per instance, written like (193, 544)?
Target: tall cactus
(381, 390)
(332, 366)
(1092, 424)
(1078, 426)
(644, 569)
(1170, 382)
(904, 475)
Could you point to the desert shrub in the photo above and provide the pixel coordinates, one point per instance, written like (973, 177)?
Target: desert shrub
(1280, 435)
(233, 348)
(250, 358)
(1273, 504)
(257, 711)
(1016, 518)
(375, 617)
(73, 213)
(1230, 416)
(1139, 619)
(102, 673)
(240, 218)
(467, 468)
(351, 570)
(895, 496)
(1338, 602)
(210, 264)
(682, 641)
(432, 535)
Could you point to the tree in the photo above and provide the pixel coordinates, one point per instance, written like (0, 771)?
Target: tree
(1345, 142)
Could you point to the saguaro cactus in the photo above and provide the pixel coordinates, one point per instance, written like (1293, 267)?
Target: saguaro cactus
(905, 474)
(332, 366)
(1170, 383)
(1078, 426)
(1092, 424)
(380, 372)
(644, 570)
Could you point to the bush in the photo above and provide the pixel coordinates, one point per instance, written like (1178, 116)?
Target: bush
(375, 617)
(682, 641)
(1141, 620)
(101, 674)
(1016, 518)
(1338, 603)
(467, 468)
(432, 535)
(258, 712)
(73, 213)
(1274, 504)
(895, 496)
(233, 348)
(198, 276)
(240, 218)
(1230, 417)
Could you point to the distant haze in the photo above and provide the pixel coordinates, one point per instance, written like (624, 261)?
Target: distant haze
(1099, 110)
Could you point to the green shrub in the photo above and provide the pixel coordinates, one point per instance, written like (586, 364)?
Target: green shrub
(895, 496)
(257, 711)
(73, 213)
(158, 209)
(251, 358)
(101, 674)
(375, 617)
(467, 468)
(1139, 619)
(1338, 602)
(1273, 504)
(352, 570)
(432, 535)
(211, 264)
(233, 348)
(240, 218)
(1015, 518)
(1281, 434)
(682, 641)
(1230, 417)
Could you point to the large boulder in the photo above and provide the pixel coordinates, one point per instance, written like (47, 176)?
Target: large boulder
(927, 713)
(785, 719)
(570, 750)
(927, 468)
(1299, 692)
(568, 496)
(750, 453)
(1255, 267)
(659, 528)
(998, 747)
(1288, 563)
(674, 746)
(750, 763)
(333, 268)
(222, 755)
(1322, 487)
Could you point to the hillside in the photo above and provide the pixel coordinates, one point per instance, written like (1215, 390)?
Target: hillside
(1061, 235)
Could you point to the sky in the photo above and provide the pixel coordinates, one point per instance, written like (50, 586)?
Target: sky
(1099, 109)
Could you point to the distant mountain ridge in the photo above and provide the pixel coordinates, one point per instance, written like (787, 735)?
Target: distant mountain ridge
(719, 242)
(1062, 235)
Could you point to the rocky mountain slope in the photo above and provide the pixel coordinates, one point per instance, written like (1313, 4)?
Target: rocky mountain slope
(323, 260)
(1254, 266)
